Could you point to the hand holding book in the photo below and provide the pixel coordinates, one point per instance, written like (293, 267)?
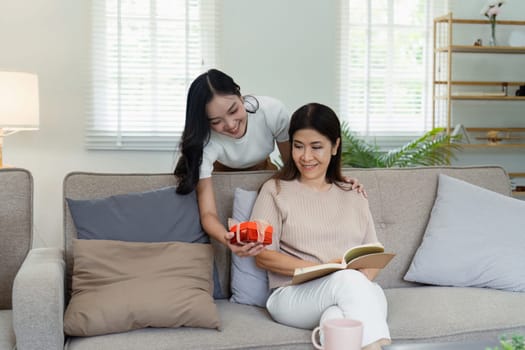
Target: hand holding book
(364, 256)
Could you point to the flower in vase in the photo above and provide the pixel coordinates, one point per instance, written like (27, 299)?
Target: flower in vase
(491, 10)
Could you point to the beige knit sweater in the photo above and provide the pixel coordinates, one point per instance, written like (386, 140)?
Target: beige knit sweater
(311, 225)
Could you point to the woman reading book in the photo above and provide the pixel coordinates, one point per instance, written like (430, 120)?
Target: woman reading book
(315, 218)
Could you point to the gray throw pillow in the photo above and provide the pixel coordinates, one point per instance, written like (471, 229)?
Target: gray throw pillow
(474, 238)
(160, 215)
(249, 284)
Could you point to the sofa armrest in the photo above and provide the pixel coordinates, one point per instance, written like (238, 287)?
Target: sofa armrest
(38, 300)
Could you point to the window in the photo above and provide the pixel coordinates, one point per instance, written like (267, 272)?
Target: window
(144, 54)
(385, 66)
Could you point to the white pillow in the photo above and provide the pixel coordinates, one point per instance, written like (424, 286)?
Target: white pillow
(249, 284)
(474, 238)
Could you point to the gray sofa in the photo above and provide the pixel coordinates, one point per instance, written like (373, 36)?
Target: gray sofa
(16, 224)
(400, 201)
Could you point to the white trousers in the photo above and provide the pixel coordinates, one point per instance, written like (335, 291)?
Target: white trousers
(342, 294)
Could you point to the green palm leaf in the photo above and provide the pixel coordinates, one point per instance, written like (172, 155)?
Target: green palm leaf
(435, 147)
(357, 153)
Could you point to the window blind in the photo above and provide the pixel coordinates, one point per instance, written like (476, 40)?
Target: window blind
(144, 55)
(385, 66)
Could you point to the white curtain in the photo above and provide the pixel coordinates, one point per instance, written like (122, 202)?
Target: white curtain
(144, 54)
(385, 66)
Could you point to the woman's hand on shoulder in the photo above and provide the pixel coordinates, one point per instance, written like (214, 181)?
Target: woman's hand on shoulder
(356, 185)
(249, 249)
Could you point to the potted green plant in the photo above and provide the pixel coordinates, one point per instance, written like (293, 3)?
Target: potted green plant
(516, 342)
(436, 147)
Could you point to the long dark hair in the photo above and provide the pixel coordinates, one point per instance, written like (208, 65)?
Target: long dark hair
(322, 119)
(196, 132)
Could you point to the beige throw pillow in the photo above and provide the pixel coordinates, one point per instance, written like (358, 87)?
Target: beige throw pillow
(120, 286)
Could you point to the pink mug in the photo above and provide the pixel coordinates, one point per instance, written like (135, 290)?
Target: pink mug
(339, 334)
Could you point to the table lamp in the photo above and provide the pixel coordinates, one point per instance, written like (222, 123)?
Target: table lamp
(18, 104)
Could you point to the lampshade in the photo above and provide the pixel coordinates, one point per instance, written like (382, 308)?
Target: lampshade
(19, 106)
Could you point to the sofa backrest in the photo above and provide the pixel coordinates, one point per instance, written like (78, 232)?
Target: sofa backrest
(84, 185)
(400, 201)
(16, 225)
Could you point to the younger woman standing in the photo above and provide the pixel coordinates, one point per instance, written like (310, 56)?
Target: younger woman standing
(227, 131)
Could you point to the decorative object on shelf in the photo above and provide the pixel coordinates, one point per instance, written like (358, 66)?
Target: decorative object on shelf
(521, 91)
(460, 134)
(505, 88)
(478, 42)
(491, 10)
(495, 136)
(517, 184)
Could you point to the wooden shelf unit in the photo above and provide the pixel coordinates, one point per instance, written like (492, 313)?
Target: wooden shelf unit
(488, 98)
(482, 49)
(489, 145)
(443, 81)
(448, 18)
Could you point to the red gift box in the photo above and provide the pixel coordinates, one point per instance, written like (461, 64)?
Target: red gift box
(251, 231)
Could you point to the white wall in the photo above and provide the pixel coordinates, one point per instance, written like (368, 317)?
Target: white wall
(284, 49)
(280, 48)
(49, 38)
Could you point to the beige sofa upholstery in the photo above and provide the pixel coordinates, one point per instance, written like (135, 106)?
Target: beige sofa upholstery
(400, 201)
(16, 224)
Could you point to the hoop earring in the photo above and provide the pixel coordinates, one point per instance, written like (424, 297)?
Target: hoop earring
(251, 104)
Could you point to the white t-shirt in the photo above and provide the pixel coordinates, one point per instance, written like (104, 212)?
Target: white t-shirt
(266, 126)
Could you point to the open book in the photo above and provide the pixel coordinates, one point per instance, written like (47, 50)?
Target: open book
(371, 256)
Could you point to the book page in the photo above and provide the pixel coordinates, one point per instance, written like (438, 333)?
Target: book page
(371, 261)
(364, 256)
(312, 272)
(360, 250)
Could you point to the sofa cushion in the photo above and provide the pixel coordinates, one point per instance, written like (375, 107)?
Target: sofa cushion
(453, 313)
(263, 333)
(249, 283)
(7, 337)
(475, 237)
(160, 215)
(120, 286)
